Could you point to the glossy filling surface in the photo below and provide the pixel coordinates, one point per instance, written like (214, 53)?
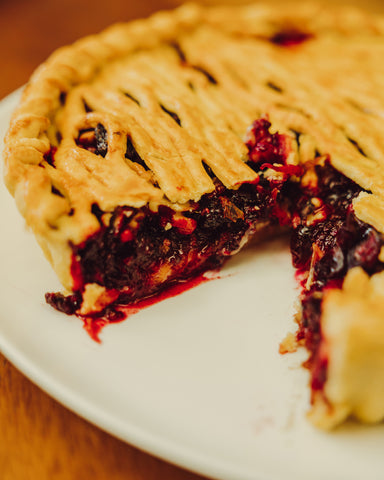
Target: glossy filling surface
(138, 253)
(327, 240)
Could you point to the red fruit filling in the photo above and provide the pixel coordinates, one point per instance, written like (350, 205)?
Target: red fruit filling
(94, 139)
(290, 37)
(327, 241)
(140, 253)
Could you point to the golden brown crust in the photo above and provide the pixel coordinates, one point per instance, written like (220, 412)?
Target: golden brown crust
(214, 71)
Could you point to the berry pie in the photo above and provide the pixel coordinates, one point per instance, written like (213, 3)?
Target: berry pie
(150, 153)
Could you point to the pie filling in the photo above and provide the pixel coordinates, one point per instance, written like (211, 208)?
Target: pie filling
(327, 240)
(138, 253)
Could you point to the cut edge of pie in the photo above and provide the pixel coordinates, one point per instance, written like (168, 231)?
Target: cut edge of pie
(202, 127)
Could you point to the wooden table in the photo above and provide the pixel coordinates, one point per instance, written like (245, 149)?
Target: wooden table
(40, 439)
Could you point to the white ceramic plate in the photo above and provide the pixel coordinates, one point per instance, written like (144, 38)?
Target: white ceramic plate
(196, 379)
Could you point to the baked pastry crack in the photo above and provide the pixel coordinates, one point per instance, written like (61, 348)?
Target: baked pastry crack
(153, 151)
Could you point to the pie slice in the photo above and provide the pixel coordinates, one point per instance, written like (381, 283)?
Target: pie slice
(152, 152)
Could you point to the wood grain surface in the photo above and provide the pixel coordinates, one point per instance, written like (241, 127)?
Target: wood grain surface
(39, 438)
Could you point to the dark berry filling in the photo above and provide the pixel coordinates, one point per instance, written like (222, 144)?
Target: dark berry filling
(94, 139)
(49, 157)
(290, 37)
(66, 304)
(141, 252)
(327, 240)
